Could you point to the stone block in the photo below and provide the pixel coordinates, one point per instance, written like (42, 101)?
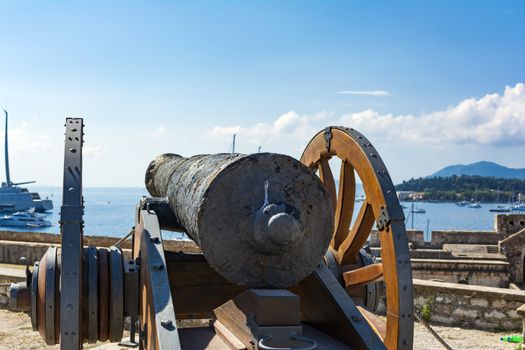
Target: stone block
(482, 324)
(4, 300)
(513, 314)
(494, 315)
(420, 301)
(443, 309)
(514, 305)
(511, 325)
(499, 303)
(463, 301)
(463, 314)
(443, 299)
(442, 319)
(479, 302)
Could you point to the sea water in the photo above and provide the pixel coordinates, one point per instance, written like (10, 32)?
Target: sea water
(111, 212)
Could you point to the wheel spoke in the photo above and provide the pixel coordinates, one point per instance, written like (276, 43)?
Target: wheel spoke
(325, 174)
(347, 252)
(363, 275)
(345, 203)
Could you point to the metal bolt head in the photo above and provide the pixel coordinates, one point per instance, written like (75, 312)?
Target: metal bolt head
(158, 266)
(356, 318)
(155, 240)
(166, 323)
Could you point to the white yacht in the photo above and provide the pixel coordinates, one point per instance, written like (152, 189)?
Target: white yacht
(14, 198)
(24, 219)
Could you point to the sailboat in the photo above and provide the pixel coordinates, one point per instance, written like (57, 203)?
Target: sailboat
(499, 208)
(475, 204)
(14, 198)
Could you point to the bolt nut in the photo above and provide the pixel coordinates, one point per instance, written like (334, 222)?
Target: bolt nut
(166, 323)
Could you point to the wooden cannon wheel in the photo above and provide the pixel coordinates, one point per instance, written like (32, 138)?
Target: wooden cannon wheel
(381, 206)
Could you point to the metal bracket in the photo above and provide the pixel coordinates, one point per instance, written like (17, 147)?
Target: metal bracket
(328, 137)
(383, 221)
(161, 207)
(71, 227)
(157, 312)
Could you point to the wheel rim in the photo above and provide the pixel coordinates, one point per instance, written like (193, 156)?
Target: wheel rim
(381, 207)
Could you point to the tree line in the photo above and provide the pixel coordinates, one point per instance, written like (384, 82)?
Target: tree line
(465, 187)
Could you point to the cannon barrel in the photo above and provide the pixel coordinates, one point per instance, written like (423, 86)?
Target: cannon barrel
(261, 220)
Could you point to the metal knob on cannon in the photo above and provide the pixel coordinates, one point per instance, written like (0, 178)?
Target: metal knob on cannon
(281, 265)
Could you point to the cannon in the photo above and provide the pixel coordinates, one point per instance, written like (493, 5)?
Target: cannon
(282, 260)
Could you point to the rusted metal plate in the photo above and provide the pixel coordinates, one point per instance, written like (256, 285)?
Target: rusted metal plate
(261, 220)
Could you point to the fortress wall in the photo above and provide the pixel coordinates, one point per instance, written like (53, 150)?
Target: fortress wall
(33, 245)
(490, 273)
(508, 224)
(470, 306)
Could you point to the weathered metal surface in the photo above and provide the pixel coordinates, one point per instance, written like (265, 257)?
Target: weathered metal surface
(92, 294)
(71, 227)
(131, 289)
(19, 297)
(157, 314)
(34, 297)
(161, 206)
(261, 220)
(50, 295)
(116, 295)
(103, 298)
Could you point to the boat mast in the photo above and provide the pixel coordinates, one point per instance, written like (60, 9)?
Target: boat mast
(6, 155)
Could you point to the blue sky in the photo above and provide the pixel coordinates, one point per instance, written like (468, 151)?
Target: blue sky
(418, 78)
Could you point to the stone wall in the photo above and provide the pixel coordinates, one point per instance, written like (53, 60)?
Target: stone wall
(508, 224)
(4, 295)
(490, 273)
(441, 237)
(470, 306)
(33, 245)
(514, 249)
(414, 236)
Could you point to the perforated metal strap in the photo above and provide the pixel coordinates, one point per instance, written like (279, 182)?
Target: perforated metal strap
(71, 227)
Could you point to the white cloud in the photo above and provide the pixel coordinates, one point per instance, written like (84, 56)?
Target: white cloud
(93, 151)
(364, 92)
(288, 131)
(157, 133)
(491, 120)
(26, 138)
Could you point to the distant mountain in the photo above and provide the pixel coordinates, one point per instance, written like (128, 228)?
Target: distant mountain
(482, 168)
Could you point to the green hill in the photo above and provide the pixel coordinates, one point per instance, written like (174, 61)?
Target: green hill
(483, 168)
(464, 187)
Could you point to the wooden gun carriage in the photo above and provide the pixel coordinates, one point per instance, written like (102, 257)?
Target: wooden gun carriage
(282, 263)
